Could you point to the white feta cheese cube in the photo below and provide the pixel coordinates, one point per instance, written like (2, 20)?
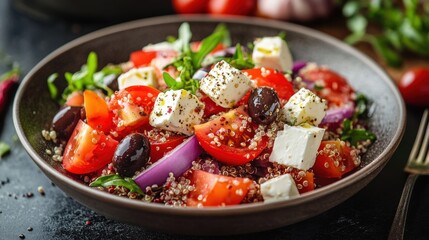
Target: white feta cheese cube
(297, 146)
(225, 85)
(272, 52)
(304, 107)
(138, 76)
(177, 111)
(279, 188)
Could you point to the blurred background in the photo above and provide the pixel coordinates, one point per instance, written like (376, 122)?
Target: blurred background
(392, 32)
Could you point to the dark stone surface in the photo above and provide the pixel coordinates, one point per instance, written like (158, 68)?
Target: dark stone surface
(367, 215)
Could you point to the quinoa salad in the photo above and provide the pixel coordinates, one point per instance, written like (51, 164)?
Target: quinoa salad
(208, 123)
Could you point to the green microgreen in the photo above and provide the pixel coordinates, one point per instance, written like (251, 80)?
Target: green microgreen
(86, 78)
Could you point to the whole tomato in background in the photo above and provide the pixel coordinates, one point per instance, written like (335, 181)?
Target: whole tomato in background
(215, 7)
(414, 86)
(295, 10)
(231, 7)
(190, 6)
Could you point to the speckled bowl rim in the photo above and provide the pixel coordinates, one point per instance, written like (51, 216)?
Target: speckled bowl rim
(216, 211)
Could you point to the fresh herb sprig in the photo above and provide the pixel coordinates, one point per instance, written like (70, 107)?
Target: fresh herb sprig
(86, 78)
(403, 26)
(189, 61)
(116, 180)
(355, 135)
(350, 132)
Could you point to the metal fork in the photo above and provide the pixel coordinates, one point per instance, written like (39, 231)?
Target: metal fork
(417, 165)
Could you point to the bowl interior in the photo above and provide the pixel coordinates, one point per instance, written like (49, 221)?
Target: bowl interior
(34, 109)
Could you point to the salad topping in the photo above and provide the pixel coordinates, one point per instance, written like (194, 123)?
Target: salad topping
(204, 124)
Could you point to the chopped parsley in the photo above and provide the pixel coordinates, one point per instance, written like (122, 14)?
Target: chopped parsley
(355, 135)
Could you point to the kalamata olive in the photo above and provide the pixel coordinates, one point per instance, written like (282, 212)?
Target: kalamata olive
(65, 121)
(111, 81)
(264, 105)
(131, 154)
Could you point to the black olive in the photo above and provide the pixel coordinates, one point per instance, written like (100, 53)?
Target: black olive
(131, 154)
(264, 105)
(65, 121)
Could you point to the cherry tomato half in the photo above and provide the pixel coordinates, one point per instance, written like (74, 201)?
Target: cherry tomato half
(88, 150)
(268, 77)
(414, 86)
(131, 108)
(334, 160)
(334, 87)
(228, 138)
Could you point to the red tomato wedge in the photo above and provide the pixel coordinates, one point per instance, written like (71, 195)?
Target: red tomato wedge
(231, 7)
(88, 150)
(217, 190)
(228, 138)
(97, 111)
(268, 77)
(161, 143)
(142, 58)
(131, 108)
(334, 159)
(210, 106)
(304, 180)
(334, 87)
(190, 6)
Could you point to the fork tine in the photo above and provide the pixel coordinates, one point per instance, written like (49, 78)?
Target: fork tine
(419, 137)
(424, 144)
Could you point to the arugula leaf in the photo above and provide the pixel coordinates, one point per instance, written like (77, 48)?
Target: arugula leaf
(355, 135)
(116, 180)
(86, 78)
(4, 149)
(189, 62)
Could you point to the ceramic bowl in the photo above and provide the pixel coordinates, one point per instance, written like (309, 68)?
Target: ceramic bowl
(33, 110)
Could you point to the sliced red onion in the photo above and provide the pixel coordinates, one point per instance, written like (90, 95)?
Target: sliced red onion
(199, 74)
(298, 65)
(176, 161)
(334, 117)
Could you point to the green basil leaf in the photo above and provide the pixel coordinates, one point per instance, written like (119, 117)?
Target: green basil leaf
(116, 180)
(4, 149)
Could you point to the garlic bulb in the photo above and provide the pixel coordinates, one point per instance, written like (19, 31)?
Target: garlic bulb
(298, 10)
